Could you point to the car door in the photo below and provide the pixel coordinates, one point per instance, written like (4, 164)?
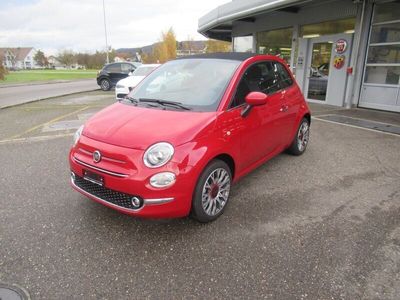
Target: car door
(115, 73)
(290, 102)
(257, 130)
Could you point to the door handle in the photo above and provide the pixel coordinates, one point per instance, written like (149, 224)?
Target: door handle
(283, 94)
(284, 108)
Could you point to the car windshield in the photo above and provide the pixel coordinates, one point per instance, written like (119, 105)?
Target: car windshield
(197, 84)
(143, 71)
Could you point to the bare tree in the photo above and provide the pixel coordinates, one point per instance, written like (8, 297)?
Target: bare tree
(66, 57)
(3, 70)
(40, 59)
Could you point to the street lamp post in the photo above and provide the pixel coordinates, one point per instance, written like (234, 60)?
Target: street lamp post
(105, 30)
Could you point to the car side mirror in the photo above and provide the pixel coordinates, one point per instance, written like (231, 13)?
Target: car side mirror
(254, 99)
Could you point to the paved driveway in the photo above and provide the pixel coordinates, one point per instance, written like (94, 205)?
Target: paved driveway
(25, 93)
(324, 225)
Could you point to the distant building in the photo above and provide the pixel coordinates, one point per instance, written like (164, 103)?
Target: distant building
(190, 48)
(18, 58)
(119, 59)
(54, 63)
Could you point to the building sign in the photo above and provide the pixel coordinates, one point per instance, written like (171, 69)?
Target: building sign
(338, 61)
(340, 46)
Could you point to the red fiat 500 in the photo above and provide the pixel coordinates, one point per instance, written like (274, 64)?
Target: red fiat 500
(189, 130)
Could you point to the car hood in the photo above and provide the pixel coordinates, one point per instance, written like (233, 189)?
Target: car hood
(138, 127)
(131, 81)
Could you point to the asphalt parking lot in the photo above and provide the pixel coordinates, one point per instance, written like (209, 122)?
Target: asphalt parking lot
(324, 225)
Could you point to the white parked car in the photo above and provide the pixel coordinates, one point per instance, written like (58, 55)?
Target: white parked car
(124, 86)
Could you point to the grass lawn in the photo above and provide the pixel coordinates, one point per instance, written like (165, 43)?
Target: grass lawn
(47, 75)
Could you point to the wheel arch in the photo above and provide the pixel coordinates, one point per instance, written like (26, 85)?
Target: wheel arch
(308, 117)
(228, 159)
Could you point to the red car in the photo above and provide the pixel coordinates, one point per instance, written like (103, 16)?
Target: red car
(189, 130)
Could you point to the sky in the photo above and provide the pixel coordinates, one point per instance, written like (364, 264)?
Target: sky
(55, 25)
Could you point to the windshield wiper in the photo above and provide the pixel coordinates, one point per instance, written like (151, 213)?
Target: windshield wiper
(131, 99)
(165, 103)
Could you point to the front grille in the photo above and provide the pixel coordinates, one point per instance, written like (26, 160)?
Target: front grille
(111, 196)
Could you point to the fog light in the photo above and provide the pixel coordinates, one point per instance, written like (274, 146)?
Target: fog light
(136, 202)
(163, 179)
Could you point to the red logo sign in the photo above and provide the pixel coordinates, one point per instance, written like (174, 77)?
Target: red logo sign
(341, 46)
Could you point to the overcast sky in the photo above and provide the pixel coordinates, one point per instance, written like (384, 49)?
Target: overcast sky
(78, 25)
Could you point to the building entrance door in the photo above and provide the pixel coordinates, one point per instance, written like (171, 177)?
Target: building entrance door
(324, 73)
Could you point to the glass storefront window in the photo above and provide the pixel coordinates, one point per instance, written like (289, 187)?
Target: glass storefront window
(383, 61)
(276, 42)
(385, 54)
(386, 33)
(243, 44)
(386, 12)
(330, 27)
(382, 75)
(320, 60)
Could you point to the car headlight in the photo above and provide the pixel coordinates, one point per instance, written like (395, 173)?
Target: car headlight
(119, 86)
(158, 155)
(77, 135)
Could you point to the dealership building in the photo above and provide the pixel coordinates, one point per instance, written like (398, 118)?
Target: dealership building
(342, 52)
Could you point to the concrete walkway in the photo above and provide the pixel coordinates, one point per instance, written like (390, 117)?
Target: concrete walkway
(14, 95)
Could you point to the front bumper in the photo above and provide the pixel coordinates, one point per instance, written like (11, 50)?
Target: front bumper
(126, 177)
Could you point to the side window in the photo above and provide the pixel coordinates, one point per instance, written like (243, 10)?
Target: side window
(114, 68)
(284, 77)
(259, 77)
(126, 68)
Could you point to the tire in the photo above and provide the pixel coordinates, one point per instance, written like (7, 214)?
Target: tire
(212, 192)
(105, 84)
(300, 141)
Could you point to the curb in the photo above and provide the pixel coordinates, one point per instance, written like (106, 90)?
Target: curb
(2, 86)
(46, 98)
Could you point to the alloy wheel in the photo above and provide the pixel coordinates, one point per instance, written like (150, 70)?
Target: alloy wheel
(105, 85)
(303, 136)
(215, 192)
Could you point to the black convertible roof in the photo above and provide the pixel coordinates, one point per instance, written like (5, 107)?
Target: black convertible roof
(240, 56)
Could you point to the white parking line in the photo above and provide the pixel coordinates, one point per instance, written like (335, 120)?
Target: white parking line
(35, 138)
(354, 126)
(355, 118)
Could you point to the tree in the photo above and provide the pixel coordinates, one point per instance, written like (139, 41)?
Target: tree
(83, 59)
(148, 58)
(160, 53)
(3, 70)
(66, 57)
(169, 40)
(40, 59)
(213, 46)
(165, 49)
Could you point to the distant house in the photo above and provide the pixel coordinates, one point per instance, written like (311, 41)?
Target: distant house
(119, 59)
(18, 58)
(54, 63)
